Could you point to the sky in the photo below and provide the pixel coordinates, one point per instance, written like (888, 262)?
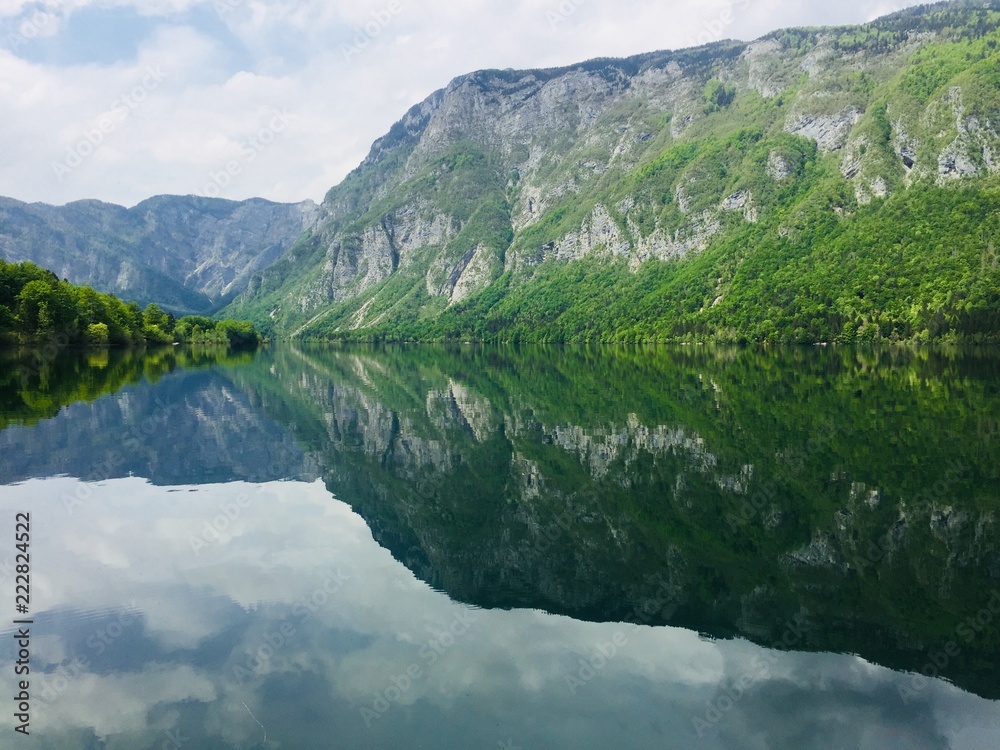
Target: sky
(120, 100)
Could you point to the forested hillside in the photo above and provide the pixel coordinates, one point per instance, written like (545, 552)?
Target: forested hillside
(835, 184)
(37, 308)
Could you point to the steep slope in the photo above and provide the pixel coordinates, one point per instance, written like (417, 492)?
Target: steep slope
(185, 253)
(737, 190)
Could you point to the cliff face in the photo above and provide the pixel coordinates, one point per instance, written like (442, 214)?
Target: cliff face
(489, 206)
(186, 253)
(654, 157)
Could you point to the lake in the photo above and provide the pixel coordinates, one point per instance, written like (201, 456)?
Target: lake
(473, 547)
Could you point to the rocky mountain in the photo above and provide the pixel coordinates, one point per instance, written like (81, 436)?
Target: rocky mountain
(186, 253)
(813, 184)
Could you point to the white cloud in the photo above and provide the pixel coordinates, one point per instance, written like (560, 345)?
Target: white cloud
(346, 70)
(132, 696)
(143, 7)
(13, 7)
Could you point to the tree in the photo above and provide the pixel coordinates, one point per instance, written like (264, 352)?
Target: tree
(98, 335)
(154, 316)
(241, 334)
(718, 95)
(45, 309)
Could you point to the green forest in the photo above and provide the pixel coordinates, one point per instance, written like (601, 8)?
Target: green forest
(919, 266)
(36, 307)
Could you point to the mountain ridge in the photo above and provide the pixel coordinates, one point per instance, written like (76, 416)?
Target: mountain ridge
(507, 204)
(188, 254)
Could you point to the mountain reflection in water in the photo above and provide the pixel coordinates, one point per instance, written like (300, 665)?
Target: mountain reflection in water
(553, 547)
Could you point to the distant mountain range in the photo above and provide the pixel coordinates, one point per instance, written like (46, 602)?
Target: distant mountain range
(813, 185)
(187, 254)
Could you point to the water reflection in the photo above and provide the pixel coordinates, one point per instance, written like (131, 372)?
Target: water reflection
(151, 623)
(722, 491)
(172, 420)
(531, 546)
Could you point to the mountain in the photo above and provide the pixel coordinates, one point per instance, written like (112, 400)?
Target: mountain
(186, 253)
(813, 185)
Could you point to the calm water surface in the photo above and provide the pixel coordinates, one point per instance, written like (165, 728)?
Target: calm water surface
(483, 548)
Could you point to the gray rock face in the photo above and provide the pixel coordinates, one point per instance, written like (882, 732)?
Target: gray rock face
(183, 252)
(598, 233)
(829, 131)
(778, 167)
(971, 152)
(769, 69)
(549, 136)
(692, 238)
(475, 275)
(360, 259)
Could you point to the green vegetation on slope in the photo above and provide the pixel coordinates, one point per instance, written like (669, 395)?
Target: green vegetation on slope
(37, 308)
(753, 202)
(920, 265)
